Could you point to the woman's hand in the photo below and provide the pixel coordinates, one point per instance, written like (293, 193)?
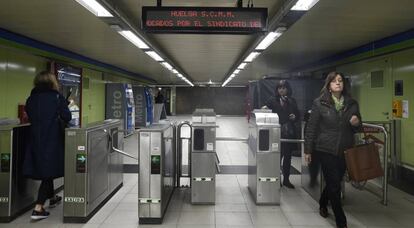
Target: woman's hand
(354, 121)
(308, 158)
(292, 116)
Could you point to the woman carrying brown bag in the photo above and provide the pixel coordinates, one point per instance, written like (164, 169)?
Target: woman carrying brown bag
(334, 120)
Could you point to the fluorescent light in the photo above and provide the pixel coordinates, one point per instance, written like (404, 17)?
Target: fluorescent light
(95, 8)
(180, 75)
(268, 40)
(232, 76)
(133, 39)
(242, 66)
(167, 65)
(225, 83)
(236, 71)
(174, 71)
(251, 56)
(304, 5)
(154, 55)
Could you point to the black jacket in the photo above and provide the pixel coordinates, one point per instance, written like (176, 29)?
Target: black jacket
(329, 130)
(283, 112)
(45, 157)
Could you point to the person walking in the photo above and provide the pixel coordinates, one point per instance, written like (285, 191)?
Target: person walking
(334, 119)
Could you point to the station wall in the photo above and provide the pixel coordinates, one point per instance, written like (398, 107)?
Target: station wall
(373, 77)
(18, 67)
(224, 101)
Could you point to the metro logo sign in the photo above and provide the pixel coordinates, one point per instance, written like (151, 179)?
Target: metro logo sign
(204, 20)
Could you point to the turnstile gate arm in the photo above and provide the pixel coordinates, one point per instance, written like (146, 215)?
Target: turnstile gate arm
(217, 163)
(116, 149)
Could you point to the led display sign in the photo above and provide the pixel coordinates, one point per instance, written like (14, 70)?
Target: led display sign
(204, 19)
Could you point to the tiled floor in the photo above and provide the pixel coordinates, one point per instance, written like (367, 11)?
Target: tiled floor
(234, 206)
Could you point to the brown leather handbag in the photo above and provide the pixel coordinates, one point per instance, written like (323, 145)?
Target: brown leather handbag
(363, 162)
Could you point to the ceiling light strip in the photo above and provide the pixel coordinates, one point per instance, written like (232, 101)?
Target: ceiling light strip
(304, 5)
(134, 39)
(95, 8)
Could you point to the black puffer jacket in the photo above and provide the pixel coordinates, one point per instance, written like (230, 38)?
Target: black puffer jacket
(329, 130)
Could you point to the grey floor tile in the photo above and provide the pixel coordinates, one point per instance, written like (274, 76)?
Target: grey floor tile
(171, 218)
(189, 207)
(306, 219)
(131, 207)
(233, 218)
(130, 198)
(197, 218)
(269, 218)
(103, 213)
(79, 225)
(375, 219)
(122, 217)
(231, 208)
(195, 226)
(295, 204)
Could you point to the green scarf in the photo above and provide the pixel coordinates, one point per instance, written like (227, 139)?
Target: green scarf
(339, 103)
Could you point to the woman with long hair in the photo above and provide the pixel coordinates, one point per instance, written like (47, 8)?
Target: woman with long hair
(286, 108)
(44, 160)
(334, 119)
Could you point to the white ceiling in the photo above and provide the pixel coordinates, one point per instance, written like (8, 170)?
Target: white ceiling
(332, 26)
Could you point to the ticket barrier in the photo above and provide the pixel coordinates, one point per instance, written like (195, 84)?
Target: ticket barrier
(17, 193)
(93, 168)
(157, 171)
(204, 159)
(264, 157)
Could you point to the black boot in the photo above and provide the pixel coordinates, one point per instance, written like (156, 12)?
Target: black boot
(287, 183)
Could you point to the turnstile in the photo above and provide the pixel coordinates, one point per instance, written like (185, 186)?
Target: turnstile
(157, 171)
(17, 193)
(204, 160)
(264, 157)
(93, 169)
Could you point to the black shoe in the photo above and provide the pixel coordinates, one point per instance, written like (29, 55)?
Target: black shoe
(323, 211)
(54, 201)
(288, 184)
(38, 215)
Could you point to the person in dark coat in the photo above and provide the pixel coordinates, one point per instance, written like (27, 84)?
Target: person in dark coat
(159, 99)
(334, 120)
(44, 160)
(286, 108)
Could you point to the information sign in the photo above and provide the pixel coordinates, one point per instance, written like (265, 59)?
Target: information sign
(204, 19)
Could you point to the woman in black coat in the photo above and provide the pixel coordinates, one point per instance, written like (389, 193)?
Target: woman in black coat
(286, 108)
(44, 160)
(334, 120)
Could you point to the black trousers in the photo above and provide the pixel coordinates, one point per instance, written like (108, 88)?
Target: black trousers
(286, 158)
(46, 191)
(333, 169)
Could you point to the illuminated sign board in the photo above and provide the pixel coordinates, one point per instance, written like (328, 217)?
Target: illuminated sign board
(204, 19)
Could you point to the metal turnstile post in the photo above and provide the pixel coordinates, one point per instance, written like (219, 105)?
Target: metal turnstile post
(17, 193)
(204, 160)
(157, 171)
(93, 169)
(264, 157)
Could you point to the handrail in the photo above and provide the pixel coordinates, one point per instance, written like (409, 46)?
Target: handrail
(237, 139)
(116, 149)
(385, 160)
